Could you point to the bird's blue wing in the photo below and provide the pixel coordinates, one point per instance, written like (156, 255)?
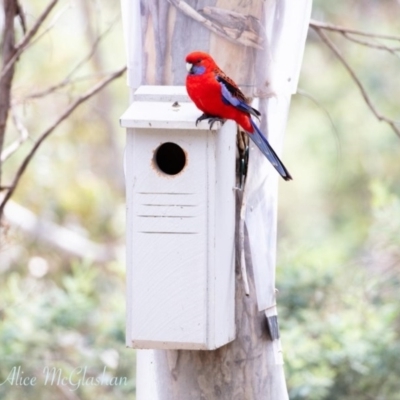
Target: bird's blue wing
(232, 95)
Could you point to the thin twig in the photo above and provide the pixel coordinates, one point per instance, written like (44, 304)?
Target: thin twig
(336, 28)
(54, 88)
(356, 80)
(27, 38)
(49, 130)
(378, 46)
(53, 22)
(335, 131)
(23, 137)
(66, 81)
(60, 85)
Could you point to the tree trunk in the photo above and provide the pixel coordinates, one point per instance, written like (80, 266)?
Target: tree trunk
(235, 34)
(10, 8)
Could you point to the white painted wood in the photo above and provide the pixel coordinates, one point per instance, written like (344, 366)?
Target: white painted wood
(180, 229)
(162, 115)
(223, 303)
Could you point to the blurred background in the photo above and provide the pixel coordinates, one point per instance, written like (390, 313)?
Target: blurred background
(339, 220)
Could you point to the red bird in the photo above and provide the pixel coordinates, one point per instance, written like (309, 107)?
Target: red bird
(219, 97)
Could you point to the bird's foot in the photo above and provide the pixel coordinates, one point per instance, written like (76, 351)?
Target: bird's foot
(203, 117)
(212, 119)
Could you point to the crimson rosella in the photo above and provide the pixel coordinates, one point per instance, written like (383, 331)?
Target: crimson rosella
(219, 97)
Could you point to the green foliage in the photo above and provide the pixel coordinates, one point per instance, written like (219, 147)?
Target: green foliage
(339, 328)
(338, 252)
(67, 326)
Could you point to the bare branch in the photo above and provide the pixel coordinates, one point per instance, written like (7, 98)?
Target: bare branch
(336, 28)
(334, 129)
(378, 46)
(60, 85)
(27, 38)
(67, 80)
(21, 15)
(357, 81)
(53, 22)
(49, 130)
(350, 33)
(23, 137)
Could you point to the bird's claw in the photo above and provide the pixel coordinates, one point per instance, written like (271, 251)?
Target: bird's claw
(201, 118)
(211, 120)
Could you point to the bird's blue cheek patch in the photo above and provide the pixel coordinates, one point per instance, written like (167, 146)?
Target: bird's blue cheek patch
(198, 70)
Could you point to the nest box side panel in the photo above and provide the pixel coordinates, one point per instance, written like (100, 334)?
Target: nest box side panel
(225, 199)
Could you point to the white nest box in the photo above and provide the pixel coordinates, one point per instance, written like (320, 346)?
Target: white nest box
(180, 183)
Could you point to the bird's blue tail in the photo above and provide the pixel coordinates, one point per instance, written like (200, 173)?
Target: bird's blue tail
(262, 143)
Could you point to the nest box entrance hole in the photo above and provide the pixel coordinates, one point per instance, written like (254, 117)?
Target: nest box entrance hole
(170, 158)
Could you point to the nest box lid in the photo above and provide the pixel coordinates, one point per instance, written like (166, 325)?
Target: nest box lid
(162, 107)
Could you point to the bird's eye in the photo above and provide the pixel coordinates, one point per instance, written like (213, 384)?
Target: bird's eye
(198, 61)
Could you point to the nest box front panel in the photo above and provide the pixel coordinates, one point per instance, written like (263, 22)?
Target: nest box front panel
(168, 185)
